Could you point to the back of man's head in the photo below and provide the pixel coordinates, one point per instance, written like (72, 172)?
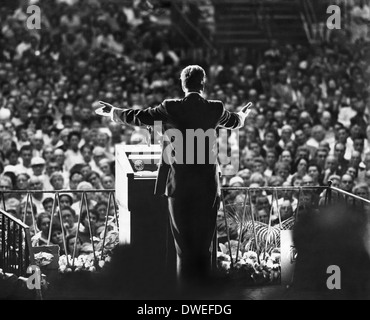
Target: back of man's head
(193, 78)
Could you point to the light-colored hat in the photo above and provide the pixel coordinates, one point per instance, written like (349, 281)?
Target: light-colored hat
(35, 161)
(98, 151)
(12, 203)
(11, 168)
(84, 185)
(235, 180)
(5, 114)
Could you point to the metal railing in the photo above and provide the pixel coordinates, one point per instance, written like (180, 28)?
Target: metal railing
(249, 220)
(15, 250)
(252, 219)
(56, 216)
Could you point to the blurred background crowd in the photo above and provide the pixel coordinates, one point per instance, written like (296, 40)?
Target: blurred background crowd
(310, 121)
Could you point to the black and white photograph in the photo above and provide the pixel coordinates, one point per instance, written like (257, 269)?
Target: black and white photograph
(184, 155)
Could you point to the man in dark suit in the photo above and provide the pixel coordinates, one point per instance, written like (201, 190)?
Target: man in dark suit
(189, 172)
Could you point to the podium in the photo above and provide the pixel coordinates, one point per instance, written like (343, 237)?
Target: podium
(143, 217)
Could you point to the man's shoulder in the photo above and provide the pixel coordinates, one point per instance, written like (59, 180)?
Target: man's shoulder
(171, 101)
(216, 102)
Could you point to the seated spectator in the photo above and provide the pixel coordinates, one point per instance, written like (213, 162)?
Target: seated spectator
(286, 211)
(48, 204)
(65, 200)
(307, 181)
(262, 209)
(314, 171)
(36, 184)
(6, 185)
(105, 166)
(259, 165)
(25, 153)
(347, 182)
(108, 181)
(271, 159)
(76, 206)
(27, 214)
(87, 225)
(335, 180)
(299, 169)
(275, 181)
(74, 245)
(73, 154)
(330, 168)
(362, 190)
(57, 180)
(94, 178)
(68, 220)
(282, 169)
(286, 157)
(57, 236)
(353, 172)
(271, 142)
(255, 191)
(98, 154)
(43, 224)
(85, 170)
(245, 174)
(74, 179)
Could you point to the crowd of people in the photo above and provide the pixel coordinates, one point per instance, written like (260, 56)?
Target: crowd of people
(309, 125)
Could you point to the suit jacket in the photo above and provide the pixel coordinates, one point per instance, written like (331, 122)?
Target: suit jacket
(178, 175)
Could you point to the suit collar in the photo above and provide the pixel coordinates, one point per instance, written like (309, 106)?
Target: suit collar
(193, 92)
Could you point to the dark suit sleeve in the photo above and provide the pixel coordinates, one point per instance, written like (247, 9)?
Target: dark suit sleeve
(141, 117)
(229, 120)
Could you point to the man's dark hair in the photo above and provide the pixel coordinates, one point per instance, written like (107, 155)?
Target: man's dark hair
(70, 209)
(76, 168)
(87, 146)
(25, 147)
(10, 152)
(54, 129)
(74, 134)
(193, 78)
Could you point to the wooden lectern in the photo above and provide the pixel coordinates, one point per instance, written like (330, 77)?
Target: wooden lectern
(143, 217)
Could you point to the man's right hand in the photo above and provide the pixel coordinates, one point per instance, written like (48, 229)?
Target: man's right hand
(247, 108)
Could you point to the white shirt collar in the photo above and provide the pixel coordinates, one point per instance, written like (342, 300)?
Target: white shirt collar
(191, 92)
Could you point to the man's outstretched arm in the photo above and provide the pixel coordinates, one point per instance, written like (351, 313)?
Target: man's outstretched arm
(133, 117)
(234, 120)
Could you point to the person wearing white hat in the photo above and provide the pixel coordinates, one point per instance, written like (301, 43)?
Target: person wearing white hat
(236, 182)
(38, 167)
(5, 115)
